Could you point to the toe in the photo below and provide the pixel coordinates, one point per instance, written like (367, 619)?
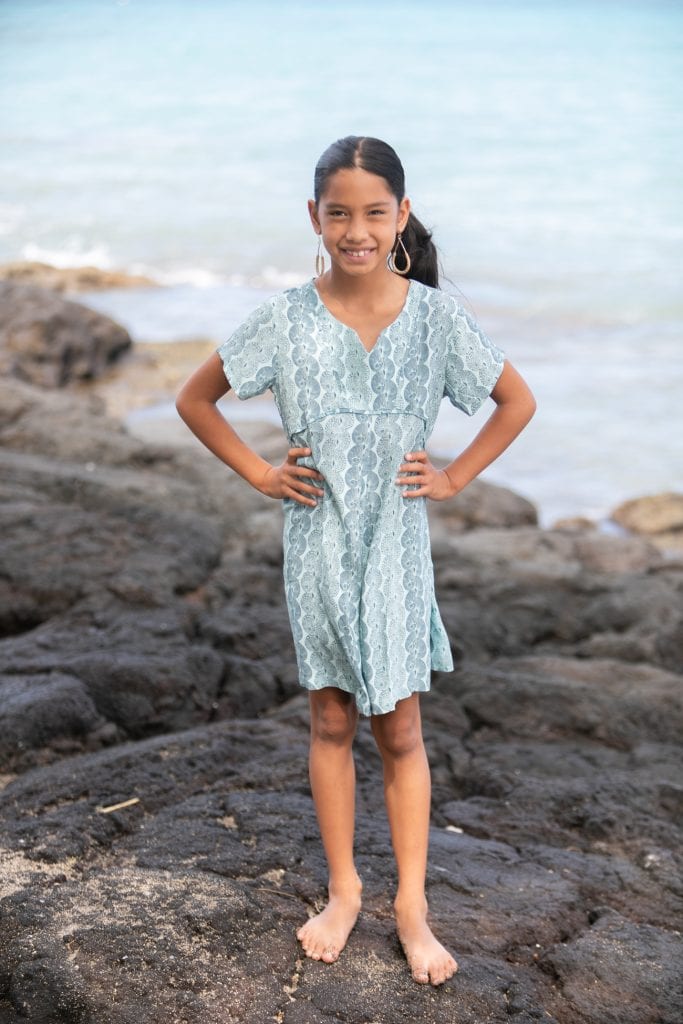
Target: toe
(444, 971)
(330, 954)
(421, 974)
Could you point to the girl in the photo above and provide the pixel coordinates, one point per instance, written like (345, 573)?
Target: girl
(358, 360)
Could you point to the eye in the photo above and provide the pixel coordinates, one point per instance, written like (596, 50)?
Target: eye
(380, 213)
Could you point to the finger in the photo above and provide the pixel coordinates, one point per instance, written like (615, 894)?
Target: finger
(296, 453)
(308, 488)
(411, 473)
(308, 471)
(416, 456)
(301, 498)
(299, 483)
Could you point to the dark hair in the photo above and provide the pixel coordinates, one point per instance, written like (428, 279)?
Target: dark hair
(379, 158)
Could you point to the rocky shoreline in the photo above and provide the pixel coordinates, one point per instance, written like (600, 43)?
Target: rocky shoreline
(147, 656)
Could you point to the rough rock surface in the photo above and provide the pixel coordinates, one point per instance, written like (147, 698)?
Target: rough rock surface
(145, 654)
(71, 279)
(49, 341)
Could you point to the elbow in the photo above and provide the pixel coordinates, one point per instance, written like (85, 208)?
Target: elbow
(181, 403)
(528, 404)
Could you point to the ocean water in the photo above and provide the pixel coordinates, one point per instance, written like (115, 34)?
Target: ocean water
(542, 143)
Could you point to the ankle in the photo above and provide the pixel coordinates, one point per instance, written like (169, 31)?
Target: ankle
(348, 886)
(411, 903)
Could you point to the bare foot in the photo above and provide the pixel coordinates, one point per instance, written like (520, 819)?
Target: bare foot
(324, 936)
(428, 960)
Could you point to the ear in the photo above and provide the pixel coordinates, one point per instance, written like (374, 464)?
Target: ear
(403, 214)
(313, 214)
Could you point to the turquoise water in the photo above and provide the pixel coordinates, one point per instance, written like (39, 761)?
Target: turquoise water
(542, 142)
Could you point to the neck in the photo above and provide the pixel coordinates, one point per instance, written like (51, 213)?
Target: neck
(365, 289)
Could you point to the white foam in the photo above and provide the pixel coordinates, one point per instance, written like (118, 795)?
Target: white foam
(73, 254)
(198, 277)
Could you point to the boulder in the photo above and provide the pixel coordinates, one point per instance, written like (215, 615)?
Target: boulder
(657, 516)
(481, 504)
(50, 341)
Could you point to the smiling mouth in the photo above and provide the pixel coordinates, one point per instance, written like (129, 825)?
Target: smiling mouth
(357, 253)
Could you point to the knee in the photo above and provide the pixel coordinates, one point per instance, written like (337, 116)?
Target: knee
(334, 723)
(399, 739)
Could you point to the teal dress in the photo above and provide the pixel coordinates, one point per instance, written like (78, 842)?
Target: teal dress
(358, 572)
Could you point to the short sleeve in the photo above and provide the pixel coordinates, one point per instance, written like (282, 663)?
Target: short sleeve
(249, 355)
(473, 363)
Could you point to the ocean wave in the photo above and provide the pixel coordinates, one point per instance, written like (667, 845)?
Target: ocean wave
(72, 254)
(208, 277)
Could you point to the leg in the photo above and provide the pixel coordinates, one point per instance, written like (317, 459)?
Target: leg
(334, 717)
(407, 791)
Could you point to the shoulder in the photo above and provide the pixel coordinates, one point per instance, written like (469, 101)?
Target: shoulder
(299, 295)
(441, 307)
(272, 310)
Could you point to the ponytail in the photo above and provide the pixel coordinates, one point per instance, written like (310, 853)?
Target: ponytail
(424, 264)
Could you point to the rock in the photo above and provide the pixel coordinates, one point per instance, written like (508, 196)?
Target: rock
(632, 966)
(480, 504)
(145, 377)
(223, 845)
(658, 516)
(50, 341)
(64, 427)
(72, 279)
(146, 655)
(580, 523)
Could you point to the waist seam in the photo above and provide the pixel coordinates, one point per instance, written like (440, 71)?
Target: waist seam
(365, 412)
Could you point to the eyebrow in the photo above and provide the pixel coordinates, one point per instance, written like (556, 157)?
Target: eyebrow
(381, 202)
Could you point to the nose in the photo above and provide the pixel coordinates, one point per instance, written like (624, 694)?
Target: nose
(355, 230)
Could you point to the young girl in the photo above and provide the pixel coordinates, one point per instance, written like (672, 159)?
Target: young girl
(358, 360)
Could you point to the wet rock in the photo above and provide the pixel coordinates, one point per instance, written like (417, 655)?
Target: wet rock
(72, 279)
(50, 341)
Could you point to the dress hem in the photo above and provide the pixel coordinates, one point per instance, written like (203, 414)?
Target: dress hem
(352, 693)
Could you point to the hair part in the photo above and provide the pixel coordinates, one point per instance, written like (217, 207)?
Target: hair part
(377, 157)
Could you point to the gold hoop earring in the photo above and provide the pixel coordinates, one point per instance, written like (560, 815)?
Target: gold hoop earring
(319, 260)
(391, 258)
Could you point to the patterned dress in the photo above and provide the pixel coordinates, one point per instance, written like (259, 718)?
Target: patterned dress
(358, 571)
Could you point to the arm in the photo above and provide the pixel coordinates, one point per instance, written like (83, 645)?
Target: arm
(516, 406)
(196, 405)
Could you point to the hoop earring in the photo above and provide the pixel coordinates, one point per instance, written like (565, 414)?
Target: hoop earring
(391, 258)
(319, 260)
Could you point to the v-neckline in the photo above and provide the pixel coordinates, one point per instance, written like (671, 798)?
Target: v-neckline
(368, 351)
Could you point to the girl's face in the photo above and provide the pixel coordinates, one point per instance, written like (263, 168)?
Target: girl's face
(358, 217)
